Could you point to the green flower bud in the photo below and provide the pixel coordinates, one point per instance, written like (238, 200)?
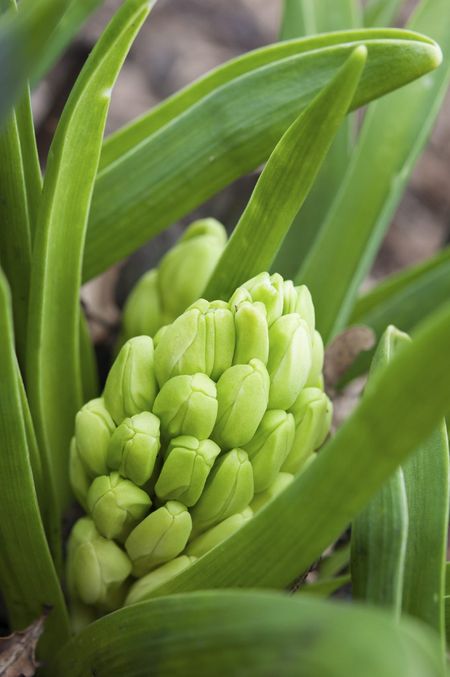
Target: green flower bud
(159, 537)
(186, 469)
(97, 567)
(198, 341)
(185, 270)
(270, 446)
(242, 393)
(229, 490)
(252, 333)
(216, 535)
(79, 479)
(116, 505)
(313, 413)
(134, 447)
(142, 314)
(131, 387)
(187, 405)
(315, 376)
(305, 306)
(282, 480)
(93, 429)
(143, 588)
(158, 336)
(289, 360)
(269, 290)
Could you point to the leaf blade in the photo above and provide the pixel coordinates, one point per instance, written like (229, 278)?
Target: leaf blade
(263, 634)
(285, 182)
(236, 128)
(371, 191)
(54, 374)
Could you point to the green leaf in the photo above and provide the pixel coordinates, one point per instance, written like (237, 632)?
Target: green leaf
(404, 298)
(256, 634)
(303, 17)
(426, 479)
(291, 532)
(53, 361)
(381, 12)
(393, 135)
(23, 43)
(70, 23)
(238, 113)
(28, 579)
(307, 17)
(285, 182)
(15, 232)
(380, 531)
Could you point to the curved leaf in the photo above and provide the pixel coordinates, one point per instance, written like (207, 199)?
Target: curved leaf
(28, 579)
(394, 133)
(236, 125)
(285, 182)
(23, 41)
(256, 634)
(290, 533)
(53, 361)
(404, 298)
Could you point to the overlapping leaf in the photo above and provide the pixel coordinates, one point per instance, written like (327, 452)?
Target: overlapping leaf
(285, 182)
(54, 375)
(257, 634)
(393, 135)
(289, 534)
(225, 126)
(28, 580)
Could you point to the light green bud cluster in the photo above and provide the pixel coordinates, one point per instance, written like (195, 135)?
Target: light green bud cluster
(165, 292)
(196, 431)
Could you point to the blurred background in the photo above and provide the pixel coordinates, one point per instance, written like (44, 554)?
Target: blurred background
(182, 40)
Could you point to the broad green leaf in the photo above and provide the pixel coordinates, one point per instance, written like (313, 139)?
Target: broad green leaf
(132, 135)
(237, 123)
(291, 532)
(404, 298)
(380, 531)
(381, 12)
(285, 182)
(28, 580)
(393, 135)
(248, 633)
(426, 479)
(23, 42)
(70, 23)
(53, 360)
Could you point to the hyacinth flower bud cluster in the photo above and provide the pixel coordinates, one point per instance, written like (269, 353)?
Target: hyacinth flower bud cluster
(197, 430)
(165, 292)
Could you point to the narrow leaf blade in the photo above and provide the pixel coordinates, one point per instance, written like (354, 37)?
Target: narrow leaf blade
(393, 135)
(285, 182)
(237, 126)
(54, 374)
(28, 578)
(380, 531)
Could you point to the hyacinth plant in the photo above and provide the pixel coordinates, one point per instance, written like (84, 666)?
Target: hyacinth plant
(201, 467)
